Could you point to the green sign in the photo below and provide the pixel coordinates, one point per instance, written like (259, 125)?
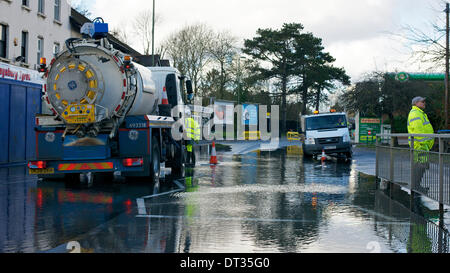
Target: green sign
(368, 129)
(404, 77)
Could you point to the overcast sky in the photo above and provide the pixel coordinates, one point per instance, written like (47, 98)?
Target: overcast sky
(356, 32)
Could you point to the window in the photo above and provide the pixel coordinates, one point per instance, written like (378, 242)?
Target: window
(58, 10)
(3, 40)
(56, 48)
(40, 49)
(41, 6)
(24, 47)
(25, 3)
(326, 122)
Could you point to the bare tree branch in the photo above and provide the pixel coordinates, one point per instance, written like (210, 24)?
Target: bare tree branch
(143, 28)
(427, 46)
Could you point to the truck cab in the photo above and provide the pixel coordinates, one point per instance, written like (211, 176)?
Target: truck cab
(326, 132)
(172, 81)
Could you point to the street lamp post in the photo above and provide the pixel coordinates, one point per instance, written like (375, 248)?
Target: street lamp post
(447, 11)
(153, 34)
(240, 78)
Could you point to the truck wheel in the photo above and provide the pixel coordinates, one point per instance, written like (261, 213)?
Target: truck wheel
(72, 178)
(104, 178)
(180, 159)
(155, 165)
(87, 178)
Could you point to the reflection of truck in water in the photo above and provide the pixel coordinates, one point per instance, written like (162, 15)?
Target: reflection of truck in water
(326, 132)
(107, 113)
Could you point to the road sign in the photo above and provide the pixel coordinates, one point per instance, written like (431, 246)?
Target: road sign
(368, 129)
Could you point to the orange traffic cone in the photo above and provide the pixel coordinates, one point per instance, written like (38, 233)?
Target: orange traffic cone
(213, 159)
(323, 156)
(165, 100)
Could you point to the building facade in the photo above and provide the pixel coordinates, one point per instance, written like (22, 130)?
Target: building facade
(31, 29)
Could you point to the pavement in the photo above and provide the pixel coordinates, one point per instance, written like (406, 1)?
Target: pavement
(364, 160)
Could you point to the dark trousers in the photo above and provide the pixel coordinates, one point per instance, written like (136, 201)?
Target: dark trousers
(419, 171)
(190, 156)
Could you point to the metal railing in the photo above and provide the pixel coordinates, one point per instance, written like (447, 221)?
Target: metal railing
(419, 235)
(398, 163)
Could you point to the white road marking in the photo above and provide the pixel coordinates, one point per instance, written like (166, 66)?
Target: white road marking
(141, 206)
(141, 203)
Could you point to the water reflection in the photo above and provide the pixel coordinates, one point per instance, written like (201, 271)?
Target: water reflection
(38, 216)
(264, 201)
(17, 210)
(421, 235)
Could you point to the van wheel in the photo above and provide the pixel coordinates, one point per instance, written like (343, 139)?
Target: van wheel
(155, 164)
(348, 155)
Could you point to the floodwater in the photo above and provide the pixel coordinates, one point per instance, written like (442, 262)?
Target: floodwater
(262, 201)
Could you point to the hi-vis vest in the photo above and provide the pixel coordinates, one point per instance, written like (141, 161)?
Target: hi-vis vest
(192, 129)
(418, 123)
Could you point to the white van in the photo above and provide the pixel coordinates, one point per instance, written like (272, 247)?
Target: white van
(326, 132)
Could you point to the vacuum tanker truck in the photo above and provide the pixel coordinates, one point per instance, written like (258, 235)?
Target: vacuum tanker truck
(107, 113)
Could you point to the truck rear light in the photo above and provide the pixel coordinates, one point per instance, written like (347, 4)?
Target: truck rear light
(37, 164)
(133, 162)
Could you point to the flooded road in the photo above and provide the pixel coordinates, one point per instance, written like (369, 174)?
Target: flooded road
(263, 201)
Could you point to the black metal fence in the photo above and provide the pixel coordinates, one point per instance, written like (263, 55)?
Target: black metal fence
(420, 235)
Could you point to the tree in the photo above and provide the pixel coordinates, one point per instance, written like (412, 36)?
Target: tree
(276, 47)
(427, 42)
(121, 34)
(223, 49)
(189, 50)
(364, 97)
(396, 98)
(325, 77)
(315, 70)
(212, 85)
(143, 27)
(247, 86)
(380, 93)
(82, 9)
(296, 61)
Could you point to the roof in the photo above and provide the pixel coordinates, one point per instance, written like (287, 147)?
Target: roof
(77, 20)
(325, 114)
(163, 69)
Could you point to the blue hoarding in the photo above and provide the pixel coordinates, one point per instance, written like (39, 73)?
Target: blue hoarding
(250, 114)
(20, 93)
(4, 123)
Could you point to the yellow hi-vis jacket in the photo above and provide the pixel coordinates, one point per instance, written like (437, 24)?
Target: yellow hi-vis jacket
(418, 123)
(192, 129)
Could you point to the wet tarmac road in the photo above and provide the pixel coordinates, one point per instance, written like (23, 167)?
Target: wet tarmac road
(258, 202)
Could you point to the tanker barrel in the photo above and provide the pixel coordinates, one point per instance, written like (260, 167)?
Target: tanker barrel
(89, 84)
